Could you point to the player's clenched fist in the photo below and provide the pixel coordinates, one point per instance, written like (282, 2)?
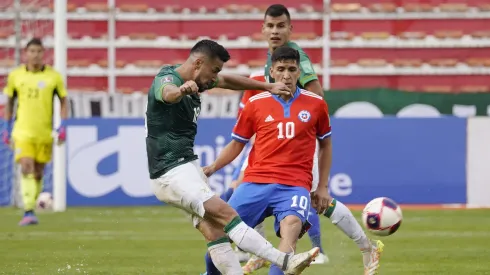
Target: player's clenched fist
(188, 88)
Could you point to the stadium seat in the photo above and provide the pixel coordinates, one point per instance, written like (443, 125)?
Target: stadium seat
(339, 63)
(142, 36)
(304, 36)
(257, 37)
(255, 63)
(96, 7)
(341, 35)
(478, 62)
(372, 62)
(481, 34)
(443, 62)
(79, 63)
(346, 8)
(417, 7)
(139, 8)
(453, 7)
(484, 7)
(407, 62)
(455, 34)
(375, 35)
(474, 89)
(148, 63)
(382, 7)
(412, 35)
(437, 89)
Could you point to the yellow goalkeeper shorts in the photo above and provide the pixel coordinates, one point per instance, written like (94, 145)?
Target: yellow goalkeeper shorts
(40, 152)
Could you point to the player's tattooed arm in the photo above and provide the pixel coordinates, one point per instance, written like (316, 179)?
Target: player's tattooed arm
(314, 87)
(227, 155)
(237, 82)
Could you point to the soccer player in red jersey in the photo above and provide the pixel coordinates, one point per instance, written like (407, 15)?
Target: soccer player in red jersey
(278, 178)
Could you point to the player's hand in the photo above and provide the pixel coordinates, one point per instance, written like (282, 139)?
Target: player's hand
(280, 88)
(61, 133)
(188, 88)
(208, 170)
(320, 200)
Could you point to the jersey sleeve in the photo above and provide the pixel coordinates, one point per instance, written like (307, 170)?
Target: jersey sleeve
(60, 86)
(323, 127)
(163, 81)
(245, 127)
(307, 71)
(9, 88)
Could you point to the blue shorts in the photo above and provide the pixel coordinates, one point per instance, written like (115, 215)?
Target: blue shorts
(255, 202)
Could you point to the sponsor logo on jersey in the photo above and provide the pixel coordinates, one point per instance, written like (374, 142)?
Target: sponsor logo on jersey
(41, 84)
(304, 116)
(269, 119)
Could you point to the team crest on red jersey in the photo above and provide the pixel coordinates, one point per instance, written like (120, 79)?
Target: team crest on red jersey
(304, 116)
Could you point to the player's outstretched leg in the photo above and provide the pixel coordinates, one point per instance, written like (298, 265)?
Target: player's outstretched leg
(316, 236)
(256, 263)
(342, 217)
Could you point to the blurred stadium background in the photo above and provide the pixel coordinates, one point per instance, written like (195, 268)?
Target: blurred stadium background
(391, 53)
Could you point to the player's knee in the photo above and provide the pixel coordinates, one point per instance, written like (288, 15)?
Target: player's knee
(27, 166)
(219, 211)
(291, 227)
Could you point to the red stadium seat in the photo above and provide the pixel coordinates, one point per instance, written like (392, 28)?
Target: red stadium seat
(418, 7)
(346, 8)
(97, 7)
(339, 63)
(443, 62)
(474, 89)
(383, 7)
(455, 34)
(140, 8)
(375, 35)
(372, 62)
(412, 35)
(437, 89)
(407, 63)
(453, 7)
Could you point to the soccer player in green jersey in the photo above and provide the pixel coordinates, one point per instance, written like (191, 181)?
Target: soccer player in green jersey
(277, 29)
(177, 179)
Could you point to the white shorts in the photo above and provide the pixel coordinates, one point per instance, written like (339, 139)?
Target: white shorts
(315, 172)
(184, 187)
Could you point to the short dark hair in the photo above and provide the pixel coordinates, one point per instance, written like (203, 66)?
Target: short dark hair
(285, 53)
(211, 49)
(34, 41)
(277, 10)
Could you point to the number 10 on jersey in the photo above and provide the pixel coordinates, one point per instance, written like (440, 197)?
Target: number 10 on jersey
(285, 130)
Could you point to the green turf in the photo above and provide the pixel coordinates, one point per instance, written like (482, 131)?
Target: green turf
(160, 240)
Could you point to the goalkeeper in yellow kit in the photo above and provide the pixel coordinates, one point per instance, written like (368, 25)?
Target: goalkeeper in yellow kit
(30, 131)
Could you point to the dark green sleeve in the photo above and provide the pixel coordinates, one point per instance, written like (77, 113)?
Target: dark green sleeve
(307, 71)
(160, 82)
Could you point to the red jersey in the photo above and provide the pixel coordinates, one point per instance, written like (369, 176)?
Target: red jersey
(286, 134)
(247, 94)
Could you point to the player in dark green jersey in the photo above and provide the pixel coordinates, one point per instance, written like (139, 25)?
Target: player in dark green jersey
(177, 179)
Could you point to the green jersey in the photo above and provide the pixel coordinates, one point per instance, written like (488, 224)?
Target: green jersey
(170, 128)
(307, 72)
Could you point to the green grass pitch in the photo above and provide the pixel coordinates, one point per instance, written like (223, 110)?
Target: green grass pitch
(160, 240)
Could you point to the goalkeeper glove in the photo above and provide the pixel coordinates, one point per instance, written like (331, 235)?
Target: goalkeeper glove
(61, 132)
(7, 131)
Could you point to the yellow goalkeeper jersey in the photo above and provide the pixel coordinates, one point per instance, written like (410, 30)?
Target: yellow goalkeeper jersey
(34, 92)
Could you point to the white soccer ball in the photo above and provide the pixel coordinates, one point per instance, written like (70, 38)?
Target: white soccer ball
(382, 216)
(45, 201)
